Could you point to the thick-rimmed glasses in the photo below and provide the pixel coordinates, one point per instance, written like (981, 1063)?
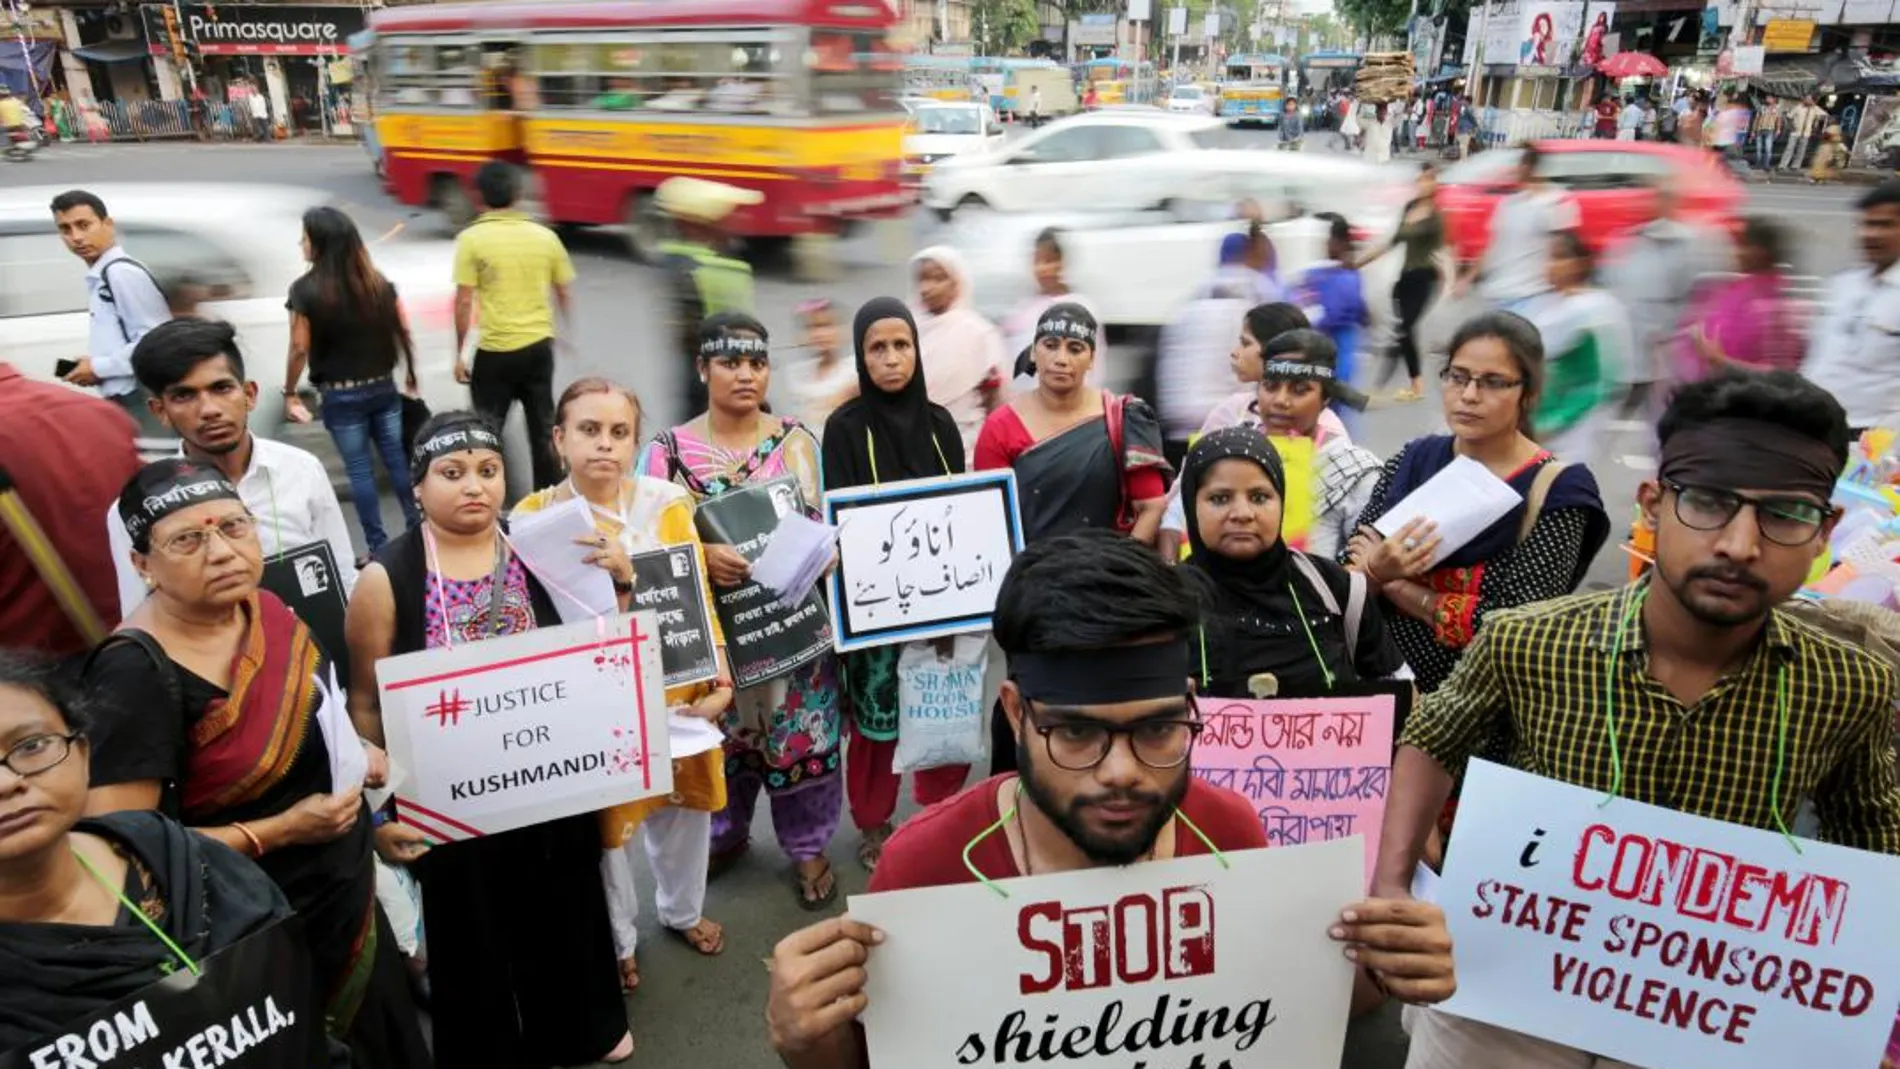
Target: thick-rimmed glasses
(38, 753)
(1080, 745)
(1458, 378)
(1785, 521)
(190, 543)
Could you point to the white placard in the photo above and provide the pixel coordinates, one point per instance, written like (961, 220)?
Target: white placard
(1167, 964)
(1463, 499)
(1662, 939)
(527, 728)
(921, 559)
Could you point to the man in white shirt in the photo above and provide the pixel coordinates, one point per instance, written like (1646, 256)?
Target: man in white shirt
(1515, 265)
(196, 376)
(1854, 352)
(1801, 123)
(123, 302)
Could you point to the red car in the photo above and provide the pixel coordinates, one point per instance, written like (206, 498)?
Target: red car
(1612, 183)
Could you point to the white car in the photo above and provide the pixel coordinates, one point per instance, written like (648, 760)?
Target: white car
(1118, 159)
(1139, 268)
(939, 131)
(1190, 100)
(242, 243)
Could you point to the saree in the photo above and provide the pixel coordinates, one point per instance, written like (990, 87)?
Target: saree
(1087, 475)
(203, 897)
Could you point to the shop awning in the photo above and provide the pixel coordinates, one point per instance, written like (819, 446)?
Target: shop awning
(120, 51)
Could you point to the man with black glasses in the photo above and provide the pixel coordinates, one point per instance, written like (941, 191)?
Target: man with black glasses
(1098, 632)
(1690, 689)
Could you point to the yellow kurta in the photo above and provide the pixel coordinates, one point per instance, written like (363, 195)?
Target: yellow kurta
(655, 513)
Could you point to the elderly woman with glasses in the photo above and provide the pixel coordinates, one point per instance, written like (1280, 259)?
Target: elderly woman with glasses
(1540, 549)
(222, 710)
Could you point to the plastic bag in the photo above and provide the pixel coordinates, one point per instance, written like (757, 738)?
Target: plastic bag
(941, 717)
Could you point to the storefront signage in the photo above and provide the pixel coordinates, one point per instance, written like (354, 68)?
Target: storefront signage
(1787, 35)
(256, 29)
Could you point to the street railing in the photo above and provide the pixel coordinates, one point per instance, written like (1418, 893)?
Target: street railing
(154, 120)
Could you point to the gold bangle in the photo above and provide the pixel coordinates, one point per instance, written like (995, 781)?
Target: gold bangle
(257, 844)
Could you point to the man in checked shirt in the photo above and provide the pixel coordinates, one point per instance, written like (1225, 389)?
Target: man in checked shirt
(1695, 670)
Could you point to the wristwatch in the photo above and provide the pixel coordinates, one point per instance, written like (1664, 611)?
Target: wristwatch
(622, 588)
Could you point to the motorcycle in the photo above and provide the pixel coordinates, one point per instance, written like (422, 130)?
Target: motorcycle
(21, 145)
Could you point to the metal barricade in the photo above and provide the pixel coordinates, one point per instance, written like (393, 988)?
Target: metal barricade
(146, 120)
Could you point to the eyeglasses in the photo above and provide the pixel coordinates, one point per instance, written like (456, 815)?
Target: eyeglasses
(193, 542)
(1080, 745)
(1785, 521)
(1458, 378)
(38, 753)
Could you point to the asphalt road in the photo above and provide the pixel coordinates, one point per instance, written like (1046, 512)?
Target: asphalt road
(694, 1011)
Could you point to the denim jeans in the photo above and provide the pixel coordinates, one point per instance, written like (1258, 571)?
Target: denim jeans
(1765, 150)
(356, 417)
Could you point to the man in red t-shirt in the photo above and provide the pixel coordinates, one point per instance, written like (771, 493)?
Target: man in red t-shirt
(1607, 110)
(1098, 631)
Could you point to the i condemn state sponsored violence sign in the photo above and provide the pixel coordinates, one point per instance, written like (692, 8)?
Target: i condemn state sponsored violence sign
(1666, 940)
(257, 29)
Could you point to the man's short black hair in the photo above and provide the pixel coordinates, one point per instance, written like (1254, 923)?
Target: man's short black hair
(1779, 397)
(170, 351)
(1884, 194)
(1090, 590)
(498, 183)
(79, 198)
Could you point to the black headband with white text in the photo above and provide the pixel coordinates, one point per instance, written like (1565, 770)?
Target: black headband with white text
(453, 438)
(728, 346)
(1295, 369)
(190, 486)
(1146, 671)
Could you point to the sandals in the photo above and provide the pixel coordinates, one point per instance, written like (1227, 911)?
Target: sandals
(706, 937)
(872, 848)
(1407, 396)
(810, 898)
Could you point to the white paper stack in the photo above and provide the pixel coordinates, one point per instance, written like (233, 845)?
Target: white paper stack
(546, 542)
(799, 552)
(1463, 499)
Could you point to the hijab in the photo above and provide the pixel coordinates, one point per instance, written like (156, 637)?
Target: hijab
(881, 437)
(964, 348)
(1259, 582)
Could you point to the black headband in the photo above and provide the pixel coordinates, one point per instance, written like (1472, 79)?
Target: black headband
(1735, 454)
(730, 345)
(1067, 322)
(453, 438)
(190, 486)
(1296, 369)
(1143, 672)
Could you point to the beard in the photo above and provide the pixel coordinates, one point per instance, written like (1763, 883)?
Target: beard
(1125, 848)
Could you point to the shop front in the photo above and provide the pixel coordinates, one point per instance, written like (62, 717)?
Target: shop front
(296, 55)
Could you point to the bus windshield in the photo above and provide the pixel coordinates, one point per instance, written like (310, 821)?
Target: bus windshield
(854, 71)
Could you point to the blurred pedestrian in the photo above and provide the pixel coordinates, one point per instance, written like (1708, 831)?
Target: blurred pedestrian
(1804, 120)
(826, 380)
(1049, 267)
(1292, 125)
(1333, 295)
(1654, 272)
(1606, 114)
(520, 273)
(1850, 355)
(1749, 321)
(1632, 120)
(1829, 156)
(1587, 343)
(706, 279)
(1512, 268)
(1422, 232)
(962, 351)
(347, 325)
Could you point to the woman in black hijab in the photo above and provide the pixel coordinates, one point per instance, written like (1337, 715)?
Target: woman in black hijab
(891, 431)
(1272, 610)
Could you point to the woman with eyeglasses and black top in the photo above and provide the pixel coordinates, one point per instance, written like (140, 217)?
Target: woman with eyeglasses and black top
(1539, 550)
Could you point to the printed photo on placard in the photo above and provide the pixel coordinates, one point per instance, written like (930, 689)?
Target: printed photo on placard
(922, 558)
(765, 639)
(306, 580)
(667, 582)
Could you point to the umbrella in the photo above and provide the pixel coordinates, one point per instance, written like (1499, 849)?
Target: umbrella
(1633, 65)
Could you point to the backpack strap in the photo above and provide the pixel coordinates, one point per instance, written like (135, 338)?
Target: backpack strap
(167, 671)
(1356, 593)
(105, 290)
(1534, 500)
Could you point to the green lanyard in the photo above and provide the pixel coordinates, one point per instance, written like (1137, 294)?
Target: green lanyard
(1016, 804)
(870, 447)
(132, 908)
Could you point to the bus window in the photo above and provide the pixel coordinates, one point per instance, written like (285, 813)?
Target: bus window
(431, 75)
(651, 72)
(854, 72)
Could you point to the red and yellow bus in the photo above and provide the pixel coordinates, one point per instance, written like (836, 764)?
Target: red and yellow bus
(604, 100)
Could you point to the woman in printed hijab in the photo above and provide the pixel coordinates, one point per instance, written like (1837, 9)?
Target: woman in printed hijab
(889, 432)
(1272, 609)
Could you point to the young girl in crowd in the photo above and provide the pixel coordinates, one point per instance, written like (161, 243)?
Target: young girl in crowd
(1019, 327)
(597, 429)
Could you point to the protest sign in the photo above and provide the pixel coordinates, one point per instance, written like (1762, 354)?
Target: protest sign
(1664, 939)
(1182, 964)
(764, 639)
(1315, 769)
(250, 1006)
(305, 579)
(922, 558)
(667, 582)
(527, 728)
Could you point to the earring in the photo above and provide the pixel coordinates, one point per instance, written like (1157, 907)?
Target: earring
(150, 583)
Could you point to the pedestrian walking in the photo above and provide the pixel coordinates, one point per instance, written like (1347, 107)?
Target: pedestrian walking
(1513, 268)
(1804, 122)
(123, 303)
(1631, 120)
(195, 370)
(64, 457)
(1695, 659)
(826, 380)
(1607, 113)
(1292, 125)
(1197, 392)
(705, 278)
(962, 351)
(347, 325)
(1467, 126)
(1587, 344)
(259, 105)
(1653, 274)
(1768, 125)
(1850, 355)
(520, 273)
(1035, 106)
(1332, 293)
(1422, 232)
(1749, 321)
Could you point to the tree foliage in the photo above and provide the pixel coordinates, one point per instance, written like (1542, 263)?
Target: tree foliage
(1375, 16)
(1004, 26)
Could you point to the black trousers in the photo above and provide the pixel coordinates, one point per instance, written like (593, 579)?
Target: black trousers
(499, 379)
(1413, 292)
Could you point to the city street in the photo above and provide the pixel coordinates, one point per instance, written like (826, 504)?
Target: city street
(695, 1011)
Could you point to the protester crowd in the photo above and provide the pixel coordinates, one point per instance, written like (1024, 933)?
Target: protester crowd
(155, 679)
